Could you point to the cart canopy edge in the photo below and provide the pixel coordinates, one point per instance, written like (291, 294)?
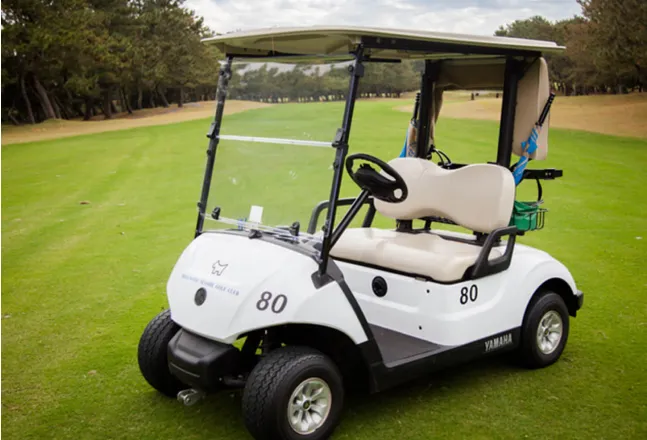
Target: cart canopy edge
(336, 43)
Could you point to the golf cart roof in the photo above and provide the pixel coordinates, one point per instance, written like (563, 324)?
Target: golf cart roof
(335, 43)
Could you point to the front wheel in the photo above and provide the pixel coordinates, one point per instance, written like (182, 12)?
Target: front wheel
(545, 330)
(293, 393)
(152, 357)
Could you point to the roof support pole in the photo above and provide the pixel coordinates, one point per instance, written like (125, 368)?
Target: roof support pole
(508, 108)
(429, 76)
(214, 131)
(341, 144)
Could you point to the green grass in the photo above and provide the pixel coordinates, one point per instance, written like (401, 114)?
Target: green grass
(80, 282)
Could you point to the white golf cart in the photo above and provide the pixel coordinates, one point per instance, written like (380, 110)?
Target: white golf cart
(296, 318)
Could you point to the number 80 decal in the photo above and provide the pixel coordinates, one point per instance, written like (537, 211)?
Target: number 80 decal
(277, 305)
(469, 294)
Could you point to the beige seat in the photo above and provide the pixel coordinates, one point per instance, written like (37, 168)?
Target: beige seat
(478, 197)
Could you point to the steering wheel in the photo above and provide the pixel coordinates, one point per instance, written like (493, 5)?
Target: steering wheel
(375, 183)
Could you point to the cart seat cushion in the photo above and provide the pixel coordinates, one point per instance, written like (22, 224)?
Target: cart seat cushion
(423, 254)
(479, 197)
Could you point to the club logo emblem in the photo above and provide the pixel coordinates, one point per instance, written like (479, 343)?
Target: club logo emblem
(218, 268)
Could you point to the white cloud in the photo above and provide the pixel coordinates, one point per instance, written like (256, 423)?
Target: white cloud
(464, 16)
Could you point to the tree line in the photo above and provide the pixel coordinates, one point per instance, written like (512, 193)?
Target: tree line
(316, 83)
(606, 47)
(72, 59)
(80, 58)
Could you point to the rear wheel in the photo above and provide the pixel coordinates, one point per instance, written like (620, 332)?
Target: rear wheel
(293, 393)
(545, 330)
(152, 357)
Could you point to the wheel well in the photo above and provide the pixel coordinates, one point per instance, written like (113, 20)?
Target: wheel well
(334, 344)
(560, 287)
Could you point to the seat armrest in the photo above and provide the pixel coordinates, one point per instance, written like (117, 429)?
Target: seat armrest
(483, 265)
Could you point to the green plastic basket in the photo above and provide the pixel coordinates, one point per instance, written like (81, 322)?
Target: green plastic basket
(527, 216)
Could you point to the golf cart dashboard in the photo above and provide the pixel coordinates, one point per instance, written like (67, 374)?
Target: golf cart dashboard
(289, 235)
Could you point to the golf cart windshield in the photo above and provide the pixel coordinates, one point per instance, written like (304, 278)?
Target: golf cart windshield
(274, 164)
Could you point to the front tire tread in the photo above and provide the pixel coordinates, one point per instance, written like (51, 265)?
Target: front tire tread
(152, 354)
(264, 388)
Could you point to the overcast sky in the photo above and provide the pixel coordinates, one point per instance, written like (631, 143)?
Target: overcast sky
(465, 16)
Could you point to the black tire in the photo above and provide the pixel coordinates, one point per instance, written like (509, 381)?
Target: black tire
(152, 354)
(531, 354)
(271, 384)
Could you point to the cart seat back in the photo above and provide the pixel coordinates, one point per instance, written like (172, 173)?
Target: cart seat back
(479, 197)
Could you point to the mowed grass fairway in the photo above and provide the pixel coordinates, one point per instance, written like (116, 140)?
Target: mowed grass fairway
(81, 281)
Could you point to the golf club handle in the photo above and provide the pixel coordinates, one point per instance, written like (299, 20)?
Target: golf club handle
(544, 112)
(416, 107)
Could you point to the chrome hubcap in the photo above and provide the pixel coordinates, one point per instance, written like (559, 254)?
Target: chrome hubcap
(309, 405)
(549, 332)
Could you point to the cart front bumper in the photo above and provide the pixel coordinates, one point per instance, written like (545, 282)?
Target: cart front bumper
(201, 362)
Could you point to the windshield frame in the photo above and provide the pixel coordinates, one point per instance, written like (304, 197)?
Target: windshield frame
(340, 144)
